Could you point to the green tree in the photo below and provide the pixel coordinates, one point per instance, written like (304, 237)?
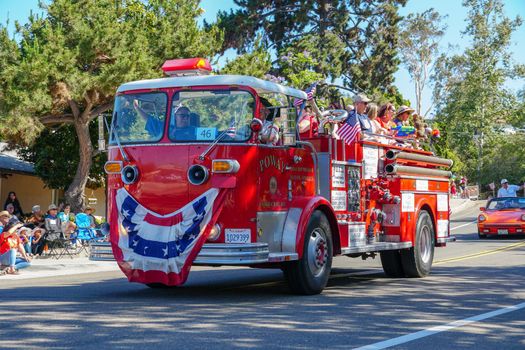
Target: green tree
(350, 39)
(55, 156)
(69, 62)
(470, 89)
(419, 44)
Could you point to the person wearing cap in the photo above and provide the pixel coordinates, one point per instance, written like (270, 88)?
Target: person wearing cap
(9, 245)
(359, 112)
(4, 219)
(507, 190)
(402, 115)
(53, 224)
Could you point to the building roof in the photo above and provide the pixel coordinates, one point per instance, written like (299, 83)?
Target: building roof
(11, 163)
(15, 165)
(259, 85)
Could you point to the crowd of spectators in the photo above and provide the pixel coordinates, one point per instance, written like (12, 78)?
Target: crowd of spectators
(25, 237)
(382, 123)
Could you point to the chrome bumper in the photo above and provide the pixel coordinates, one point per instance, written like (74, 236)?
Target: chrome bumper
(239, 254)
(446, 239)
(214, 254)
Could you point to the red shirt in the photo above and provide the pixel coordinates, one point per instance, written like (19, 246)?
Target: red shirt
(314, 127)
(8, 241)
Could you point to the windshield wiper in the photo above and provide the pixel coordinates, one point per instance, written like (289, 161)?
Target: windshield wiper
(114, 133)
(214, 143)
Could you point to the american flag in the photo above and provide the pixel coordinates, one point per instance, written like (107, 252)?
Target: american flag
(310, 92)
(350, 129)
(161, 248)
(232, 130)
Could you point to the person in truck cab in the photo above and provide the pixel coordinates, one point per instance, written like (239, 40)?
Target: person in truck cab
(183, 129)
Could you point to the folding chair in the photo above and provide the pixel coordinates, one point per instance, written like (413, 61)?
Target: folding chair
(57, 244)
(84, 233)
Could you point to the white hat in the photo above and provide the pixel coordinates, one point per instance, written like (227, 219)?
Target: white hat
(361, 98)
(504, 181)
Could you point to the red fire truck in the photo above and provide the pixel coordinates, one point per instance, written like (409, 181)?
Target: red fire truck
(208, 170)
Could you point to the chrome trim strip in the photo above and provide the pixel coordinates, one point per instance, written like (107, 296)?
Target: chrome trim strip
(376, 247)
(419, 178)
(232, 254)
(341, 162)
(446, 239)
(423, 192)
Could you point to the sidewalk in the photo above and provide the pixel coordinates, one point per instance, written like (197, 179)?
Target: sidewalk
(50, 267)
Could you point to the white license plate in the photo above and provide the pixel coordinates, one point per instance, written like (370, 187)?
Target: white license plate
(237, 235)
(503, 232)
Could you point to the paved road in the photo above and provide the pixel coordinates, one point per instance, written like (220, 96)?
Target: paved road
(475, 298)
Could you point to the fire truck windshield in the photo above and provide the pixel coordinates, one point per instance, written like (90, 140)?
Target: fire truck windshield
(206, 115)
(139, 117)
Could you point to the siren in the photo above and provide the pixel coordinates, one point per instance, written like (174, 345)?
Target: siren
(186, 67)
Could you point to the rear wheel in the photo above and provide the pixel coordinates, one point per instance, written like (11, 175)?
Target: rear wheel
(417, 261)
(309, 275)
(392, 265)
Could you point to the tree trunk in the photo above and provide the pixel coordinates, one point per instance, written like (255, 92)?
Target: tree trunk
(75, 192)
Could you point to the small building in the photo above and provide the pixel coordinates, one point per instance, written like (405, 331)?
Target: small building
(19, 176)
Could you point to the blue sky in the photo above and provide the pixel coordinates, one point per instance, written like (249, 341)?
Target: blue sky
(19, 10)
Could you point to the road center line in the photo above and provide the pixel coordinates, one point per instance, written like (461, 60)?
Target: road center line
(486, 252)
(438, 329)
(460, 226)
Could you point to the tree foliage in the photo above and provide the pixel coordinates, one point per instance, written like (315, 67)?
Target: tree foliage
(55, 157)
(471, 94)
(69, 62)
(419, 45)
(350, 39)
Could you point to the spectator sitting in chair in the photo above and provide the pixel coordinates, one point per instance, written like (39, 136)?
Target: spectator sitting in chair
(89, 211)
(53, 224)
(10, 244)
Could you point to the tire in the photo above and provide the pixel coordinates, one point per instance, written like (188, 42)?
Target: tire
(309, 275)
(481, 235)
(417, 261)
(392, 265)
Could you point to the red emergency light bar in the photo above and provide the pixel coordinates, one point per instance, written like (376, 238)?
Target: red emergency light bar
(187, 66)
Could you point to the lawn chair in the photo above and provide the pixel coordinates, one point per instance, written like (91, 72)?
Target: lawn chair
(58, 246)
(84, 234)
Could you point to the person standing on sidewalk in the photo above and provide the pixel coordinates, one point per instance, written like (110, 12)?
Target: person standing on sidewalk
(507, 190)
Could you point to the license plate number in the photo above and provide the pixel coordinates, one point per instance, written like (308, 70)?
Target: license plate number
(237, 236)
(503, 232)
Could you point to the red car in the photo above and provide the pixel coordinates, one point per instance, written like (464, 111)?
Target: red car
(502, 217)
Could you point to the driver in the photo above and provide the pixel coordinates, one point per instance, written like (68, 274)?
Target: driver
(182, 130)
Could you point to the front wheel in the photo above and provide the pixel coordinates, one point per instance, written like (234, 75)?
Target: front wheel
(417, 261)
(309, 275)
(481, 235)
(391, 262)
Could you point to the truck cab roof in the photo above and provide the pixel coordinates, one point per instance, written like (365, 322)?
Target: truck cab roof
(259, 85)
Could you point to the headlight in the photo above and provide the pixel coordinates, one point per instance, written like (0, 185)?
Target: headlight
(481, 218)
(215, 232)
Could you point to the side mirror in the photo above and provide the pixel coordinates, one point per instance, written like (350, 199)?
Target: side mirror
(482, 208)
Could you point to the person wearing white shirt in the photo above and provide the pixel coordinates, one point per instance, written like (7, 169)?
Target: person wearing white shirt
(507, 190)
